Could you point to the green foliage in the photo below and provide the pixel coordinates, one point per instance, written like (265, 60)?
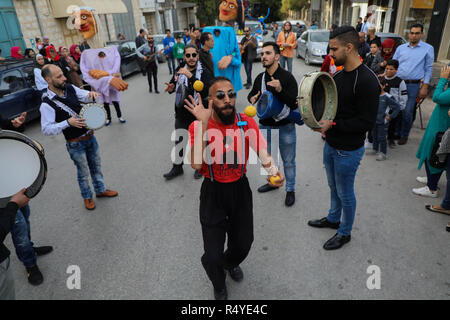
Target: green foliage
(207, 11)
(275, 9)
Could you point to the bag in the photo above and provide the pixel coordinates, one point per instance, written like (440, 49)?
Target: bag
(434, 161)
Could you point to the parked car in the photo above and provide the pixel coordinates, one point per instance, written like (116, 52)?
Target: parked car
(159, 40)
(254, 27)
(18, 92)
(312, 45)
(128, 58)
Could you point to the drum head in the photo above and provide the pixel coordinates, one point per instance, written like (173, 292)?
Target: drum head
(95, 116)
(20, 166)
(180, 96)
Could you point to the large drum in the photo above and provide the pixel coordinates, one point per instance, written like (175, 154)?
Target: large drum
(317, 98)
(22, 165)
(269, 106)
(94, 114)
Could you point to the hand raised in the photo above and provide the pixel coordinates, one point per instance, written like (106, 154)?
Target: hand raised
(197, 109)
(275, 83)
(255, 98)
(169, 87)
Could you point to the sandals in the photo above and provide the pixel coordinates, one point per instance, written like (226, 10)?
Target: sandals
(434, 209)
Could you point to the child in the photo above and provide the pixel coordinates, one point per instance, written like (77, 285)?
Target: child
(397, 88)
(374, 58)
(178, 50)
(379, 131)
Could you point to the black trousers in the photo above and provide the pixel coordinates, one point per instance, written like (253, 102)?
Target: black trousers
(181, 123)
(108, 110)
(152, 71)
(226, 209)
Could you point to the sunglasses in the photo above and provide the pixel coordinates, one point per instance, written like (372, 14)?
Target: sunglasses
(415, 33)
(221, 94)
(188, 55)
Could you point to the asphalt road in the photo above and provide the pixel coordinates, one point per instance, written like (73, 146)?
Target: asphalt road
(147, 244)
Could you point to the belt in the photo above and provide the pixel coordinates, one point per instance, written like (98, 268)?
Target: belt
(85, 137)
(412, 81)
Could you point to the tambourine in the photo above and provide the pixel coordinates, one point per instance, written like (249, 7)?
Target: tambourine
(22, 165)
(317, 98)
(94, 114)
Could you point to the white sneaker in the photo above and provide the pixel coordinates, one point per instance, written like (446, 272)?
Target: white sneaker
(381, 156)
(368, 145)
(425, 192)
(422, 180)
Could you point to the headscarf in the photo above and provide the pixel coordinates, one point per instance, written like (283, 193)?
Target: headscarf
(27, 51)
(15, 53)
(388, 43)
(47, 50)
(73, 53)
(36, 64)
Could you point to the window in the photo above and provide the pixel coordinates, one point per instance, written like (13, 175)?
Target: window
(320, 36)
(125, 49)
(304, 36)
(29, 74)
(11, 81)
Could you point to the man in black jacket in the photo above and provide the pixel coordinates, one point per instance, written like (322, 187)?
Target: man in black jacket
(249, 54)
(358, 94)
(282, 84)
(182, 83)
(207, 41)
(7, 218)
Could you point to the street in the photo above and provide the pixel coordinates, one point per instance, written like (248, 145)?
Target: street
(147, 242)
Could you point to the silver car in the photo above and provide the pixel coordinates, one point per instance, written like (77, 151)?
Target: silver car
(312, 45)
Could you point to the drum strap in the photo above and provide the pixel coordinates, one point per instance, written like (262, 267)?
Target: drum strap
(241, 125)
(285, 112)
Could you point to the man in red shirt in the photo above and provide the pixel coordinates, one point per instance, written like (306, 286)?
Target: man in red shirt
(226, 206)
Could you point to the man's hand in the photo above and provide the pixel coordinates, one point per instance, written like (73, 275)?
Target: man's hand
(198, 110)
(423, 91)
(225, 62)
(169, 87)
(445, 72)
(17, 122)
(92, 95)
(119, 84)
(185, 71)
(76, 122)
(97, 74)
(278, 183)
(20, 198)
(275, 83)
(255, 98)
(326, 124)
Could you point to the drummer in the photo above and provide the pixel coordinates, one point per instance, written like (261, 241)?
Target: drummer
(282, 84)
(59, 111)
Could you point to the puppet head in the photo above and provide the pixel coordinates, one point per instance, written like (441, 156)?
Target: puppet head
(232, 10)
(87, 21)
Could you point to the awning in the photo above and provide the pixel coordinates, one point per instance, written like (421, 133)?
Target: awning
(59, 7)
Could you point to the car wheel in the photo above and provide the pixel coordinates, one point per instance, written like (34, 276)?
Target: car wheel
(307, 62)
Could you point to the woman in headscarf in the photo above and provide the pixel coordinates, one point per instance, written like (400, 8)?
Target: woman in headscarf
(54, 58)
(387, 51)
(16, 53)
(40, 82)
(74, 77)
(29, 53)
(75, 52)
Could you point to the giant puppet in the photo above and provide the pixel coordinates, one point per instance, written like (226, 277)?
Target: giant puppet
(226, 54)
(100, 65)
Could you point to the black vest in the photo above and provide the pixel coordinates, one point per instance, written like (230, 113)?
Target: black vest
(70, 99)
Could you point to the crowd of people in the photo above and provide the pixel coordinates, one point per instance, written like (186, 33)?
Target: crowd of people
(378, 85)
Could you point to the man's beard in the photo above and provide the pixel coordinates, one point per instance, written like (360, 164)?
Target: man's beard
(226, 119)
(339, 62)
(268, 66)
(60, 86)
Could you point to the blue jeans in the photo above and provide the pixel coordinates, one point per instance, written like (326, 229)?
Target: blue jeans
(171, 63)
(287, 144)
(341, 167)
(86, 156)
(21, 237)
(248, 70)
(379, 134)
(408, 113)
(284, 61)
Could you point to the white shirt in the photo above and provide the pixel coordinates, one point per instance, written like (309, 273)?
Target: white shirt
(40, 82)
(48, 124)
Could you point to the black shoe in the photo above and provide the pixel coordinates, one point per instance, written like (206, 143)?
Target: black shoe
(248, 86)
(265, 188)
(40, 251)
(150, 90)
(174, 172)
(156, 91)
(290, 199)
(336, 242)
(221, 294)
(197, 175)
(236, 274)
(392, 144)
(448, 227)
(323, 223)
(34, 276)
(402, 141)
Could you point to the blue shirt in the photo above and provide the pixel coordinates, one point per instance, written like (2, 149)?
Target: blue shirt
(365, 26)
(415, 63)
(187, 39)
(168, 45)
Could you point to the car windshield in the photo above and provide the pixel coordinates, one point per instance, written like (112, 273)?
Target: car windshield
(158, 40)
(320, 36)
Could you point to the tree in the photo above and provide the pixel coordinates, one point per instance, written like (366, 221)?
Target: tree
(275, 9)
(207, 11)
(294, 5)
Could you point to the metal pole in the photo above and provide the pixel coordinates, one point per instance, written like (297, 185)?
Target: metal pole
(38, 17)
(158, 18)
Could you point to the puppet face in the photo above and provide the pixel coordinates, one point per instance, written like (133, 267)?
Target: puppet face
(228, 10)
(86, 24)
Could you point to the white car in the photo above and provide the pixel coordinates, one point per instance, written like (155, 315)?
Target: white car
(312, 45)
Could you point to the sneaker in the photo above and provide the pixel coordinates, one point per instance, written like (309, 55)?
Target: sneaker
(236, 274)
(368, 145)
(392, 144)
(122, 120)
(108, 122)
(381, 156)
(422, 180)
(34, 275)
(40, 251)
(425, 192)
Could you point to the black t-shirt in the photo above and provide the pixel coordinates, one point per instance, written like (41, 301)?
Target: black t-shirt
(288, 94)
(358, 94)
